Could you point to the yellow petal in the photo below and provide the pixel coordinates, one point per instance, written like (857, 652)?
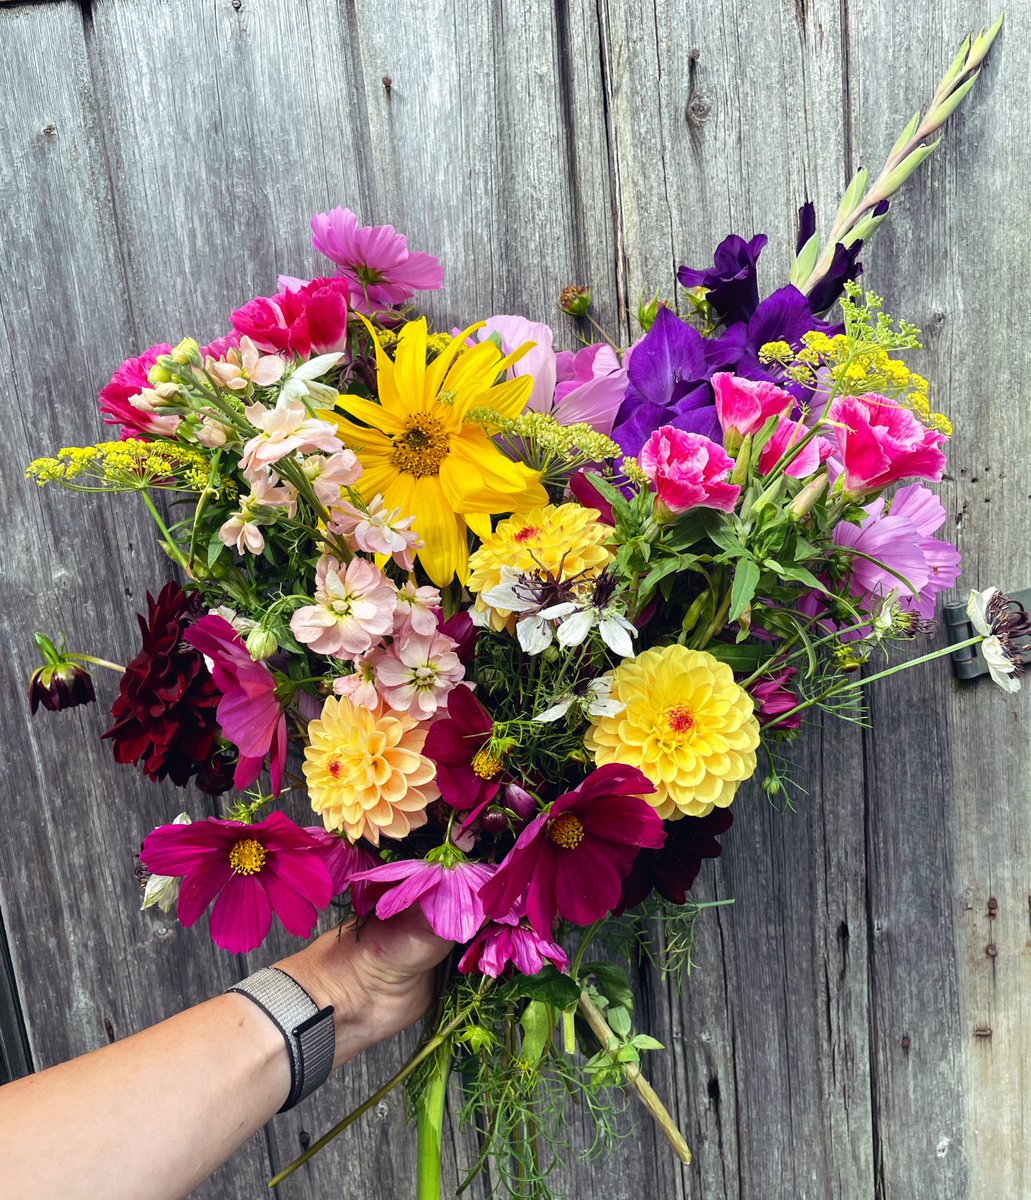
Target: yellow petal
(371, 413)
(446, 552)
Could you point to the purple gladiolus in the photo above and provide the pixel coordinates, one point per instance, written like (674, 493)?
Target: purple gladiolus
(731, 283)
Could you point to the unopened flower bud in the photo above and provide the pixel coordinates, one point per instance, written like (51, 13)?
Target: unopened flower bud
(648, 310)
(743, 454)
(808, 497)
(575, 300)
(60, 686)
(186, 352)
(261, 643)
(493, 821)
(159, 372)
(519, 800)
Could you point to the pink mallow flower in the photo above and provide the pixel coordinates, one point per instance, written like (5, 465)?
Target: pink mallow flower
(688, 470)
(881, 442)
(510, 941)
(309, 319)
(449, 896)
(743, 406)
(132, 378)
(375, 259)
(571, 860)
(249, 712)
(330, 476)
(898, 535)
(249, 871)
(353, 609)
(416, 673)
(378, 530)
(282, 430)
(785, 436)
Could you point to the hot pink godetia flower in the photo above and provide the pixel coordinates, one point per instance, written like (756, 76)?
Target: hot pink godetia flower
(688, 470)
(743, 406)
(881, 443)
(311, 319)
(353, 609)
(127, 383)
(786, 437)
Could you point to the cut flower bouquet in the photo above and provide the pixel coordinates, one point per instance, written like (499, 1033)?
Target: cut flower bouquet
(467, 623)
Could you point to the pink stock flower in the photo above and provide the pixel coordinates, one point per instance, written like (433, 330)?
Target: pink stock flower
(249, 712)
(510, 941)
(881, 442)
(330, 476)
(375, 259)
(281, 431)
(448, 896)
(262, 505)
(243, 365)
(418, 608)
(360, 686)
(688, 470)
(379, 530)
(343, 858)
(900, 539)
(250, 871)
(806, 462)
(127, 383)
(416, 673)
(743, 406)
(773, 698)
(312, 319)
(571, 859)
(354, 609)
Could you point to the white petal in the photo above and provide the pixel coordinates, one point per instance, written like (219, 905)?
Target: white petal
(575, 629)
(605, 708)
(558, 610)
(506, 597)
(614, 634)
(1001, 666)
(977, 610)
(534, 635)
(557, 710)
(317, 366)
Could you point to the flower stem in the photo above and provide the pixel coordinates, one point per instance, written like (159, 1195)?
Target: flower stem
(98, 662)
(594, 1017)
(171, 547)
(430, 1126)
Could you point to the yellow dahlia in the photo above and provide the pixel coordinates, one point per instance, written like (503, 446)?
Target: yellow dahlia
(421, 453)
(566, 539)
(687, 725)
(366, 771)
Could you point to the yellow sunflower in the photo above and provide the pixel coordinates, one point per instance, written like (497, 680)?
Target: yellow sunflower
(419, 450)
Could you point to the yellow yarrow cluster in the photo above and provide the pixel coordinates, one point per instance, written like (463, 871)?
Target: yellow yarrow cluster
(687, 725)
(565, 539)
(366, 773)
(124, 466)
(577, 442)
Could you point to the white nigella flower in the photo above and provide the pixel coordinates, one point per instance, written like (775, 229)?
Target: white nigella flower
(163, 890)
(596, 701)
(1006, 629)
(518, 593)
(575, 622)
(302, 381)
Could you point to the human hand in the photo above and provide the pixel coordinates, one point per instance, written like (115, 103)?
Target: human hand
(379, 980)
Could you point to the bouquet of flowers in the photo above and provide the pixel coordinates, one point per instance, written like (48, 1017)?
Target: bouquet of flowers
(516, 623)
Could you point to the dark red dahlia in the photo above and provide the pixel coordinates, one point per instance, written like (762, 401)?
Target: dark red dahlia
(165, 709)
(672, 869)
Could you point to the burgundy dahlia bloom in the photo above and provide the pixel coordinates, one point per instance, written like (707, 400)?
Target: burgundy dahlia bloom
(165, 709)
(572, 859)
(61, 685)
(672, 869)
(249, 871)
(468, 774)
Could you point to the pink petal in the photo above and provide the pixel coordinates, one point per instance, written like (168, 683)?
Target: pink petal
(200, 887)
(242, 915)
(295, 910)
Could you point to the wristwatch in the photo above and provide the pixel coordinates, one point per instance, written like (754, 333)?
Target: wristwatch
(307, 1029)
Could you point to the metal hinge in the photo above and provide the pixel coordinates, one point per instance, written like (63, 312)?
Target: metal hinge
(969, 662)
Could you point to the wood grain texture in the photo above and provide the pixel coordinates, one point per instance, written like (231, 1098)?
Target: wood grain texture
(827, 1046)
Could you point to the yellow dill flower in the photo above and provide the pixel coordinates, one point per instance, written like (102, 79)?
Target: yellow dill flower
(565, 539)
(123, 466)
(366, 772)
(420, 451)
(687, 725)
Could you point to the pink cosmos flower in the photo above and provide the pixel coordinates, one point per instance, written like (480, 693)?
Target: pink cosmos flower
(743, 406)
(416, 673)
(360, 686)
(262, 505)
(375, 259)
(418, 609)
(688, 470)
(249, 712)
(379, 530)
(250, 871)
(510, 941)
(244, 365)
(773, 698)
(448, 896)
(571, 859)
(343, 858)
(127, 382)
(881, 442)
(310, 319)
(353, 609)
(901, 539)
(281, 431)
(330, 476)
(806, 462)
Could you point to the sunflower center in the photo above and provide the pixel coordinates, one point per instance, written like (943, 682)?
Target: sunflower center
(485, 764)
(247, 856)
(679, 720)
(421, 448)
(566, 831)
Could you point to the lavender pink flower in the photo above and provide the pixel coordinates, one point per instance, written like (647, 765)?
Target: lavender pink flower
(329, 476)
(418, 609)
(244, 365)
(417, 672)
(282, 430)
(448, 896)
(377, 530)
(353, 609)
(511, 942)
(881, 443)
(343, 858)
(688, 470)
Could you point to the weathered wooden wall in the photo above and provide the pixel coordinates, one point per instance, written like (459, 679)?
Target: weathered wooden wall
(850, 1032)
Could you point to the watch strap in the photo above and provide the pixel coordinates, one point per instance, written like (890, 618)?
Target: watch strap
(307, 1029)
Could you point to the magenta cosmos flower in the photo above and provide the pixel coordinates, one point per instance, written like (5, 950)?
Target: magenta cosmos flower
(511, 942)
(448, 896)
(249, 871)
(571, 860)
(468, 774)
(375, 259)
(249, 712)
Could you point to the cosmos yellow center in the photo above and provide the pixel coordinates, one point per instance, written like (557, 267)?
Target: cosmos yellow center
(485, 764)
(566, 831)
(247, 856)
(679, 721)
(422, 447)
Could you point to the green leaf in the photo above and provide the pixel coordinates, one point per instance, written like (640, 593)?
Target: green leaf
(619, 502)
(805, 260)
(216, 547)
(797, 573)
(664, 567)
(743, 659)
(612, 982)
(537, 1030)
(691, 528)
(644, 1041)
(619, 1020)
(746, 579)
(548, 985)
